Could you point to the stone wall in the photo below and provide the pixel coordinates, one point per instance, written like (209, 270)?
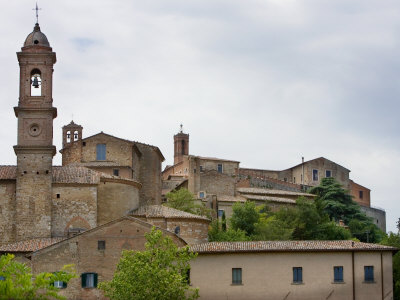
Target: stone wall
(378, 216)
(115, 200)
(149, 175)
(73, 206)
(72, 153)
(7, 211)
(82, 251)
(212, 182)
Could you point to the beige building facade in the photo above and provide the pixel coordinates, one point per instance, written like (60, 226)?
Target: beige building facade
(293, 270)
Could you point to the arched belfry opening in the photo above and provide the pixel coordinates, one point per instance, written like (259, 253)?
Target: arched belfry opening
(181, 145)
(36, 82)
(71, 133)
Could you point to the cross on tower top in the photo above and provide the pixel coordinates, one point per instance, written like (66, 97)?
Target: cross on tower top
(37, 13)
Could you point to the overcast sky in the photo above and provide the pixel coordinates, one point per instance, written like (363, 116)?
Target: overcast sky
(262, 82)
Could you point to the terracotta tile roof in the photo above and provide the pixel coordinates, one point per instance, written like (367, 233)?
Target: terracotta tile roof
(161, 211)
(269, 198)
(260, 191)
(8, 172)
(64, 174)
(214, 158)
(289, 246)
(102, 164)
(30, 245)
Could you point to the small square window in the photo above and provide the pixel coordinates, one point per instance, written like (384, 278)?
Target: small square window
(101, 245)
(368, 273)
(236, 275)
(83, 144)
(201, 195)
(315, 175)
(338, 274)
(219, 168)
(360, 194)
(297, 274)
(116, 172)
(328, 173)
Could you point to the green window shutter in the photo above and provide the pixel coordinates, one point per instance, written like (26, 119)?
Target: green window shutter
(83, 278)
(95, 279)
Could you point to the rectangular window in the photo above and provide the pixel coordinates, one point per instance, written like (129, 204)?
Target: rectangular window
(101, 245)
(60, 284)
(315, 175)
(101, 152)
(328, 173)
(360, 194)
(338, 274)
(294, 179)
(201, 169)
(368, 273)
(220, 213)
(116, 172)
(201, 195)
(236, 275)
(297, 274)
(89, 280)
(219, 168)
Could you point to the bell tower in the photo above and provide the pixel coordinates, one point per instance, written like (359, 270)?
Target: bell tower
(34, 149)
(181, 145)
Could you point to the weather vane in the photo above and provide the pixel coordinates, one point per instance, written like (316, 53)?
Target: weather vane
(37, 13)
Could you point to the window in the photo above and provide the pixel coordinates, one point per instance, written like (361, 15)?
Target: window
(368, 273)
(58, 196)
(328, 173)
(294, 179)
(194, 170)
(285, 179)
(236, 275)
(187, 277)
(116, 172)
(177, 230)
(315, 175)
(219, 168)
(220, 212)
(101, 245)
(36, 83)
(297, 274)
(101, 152)
(338, 274)
(201, 195)
(360, 194)
(89, 280)
(201, 169)
(60, 284)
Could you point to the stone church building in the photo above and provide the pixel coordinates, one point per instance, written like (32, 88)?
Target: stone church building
(102, 177)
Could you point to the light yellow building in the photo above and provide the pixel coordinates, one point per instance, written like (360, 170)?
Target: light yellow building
(291, 270)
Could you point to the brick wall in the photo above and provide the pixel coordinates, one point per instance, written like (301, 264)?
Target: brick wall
(7, 211)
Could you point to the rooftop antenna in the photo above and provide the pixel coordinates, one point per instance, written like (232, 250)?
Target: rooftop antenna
(37, 13)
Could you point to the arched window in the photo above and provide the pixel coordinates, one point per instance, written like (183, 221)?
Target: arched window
(68, 136)
(76, 135)
(36, 82)
(183, 147)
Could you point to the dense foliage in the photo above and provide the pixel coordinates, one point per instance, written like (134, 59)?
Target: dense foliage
(184, 200)
(17, 281)
(309, 220)
(158, 272)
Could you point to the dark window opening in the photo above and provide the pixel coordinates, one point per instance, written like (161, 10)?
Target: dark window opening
(236, 275)
(315, 175)
(177, 229)
(328, 173)
(89, 280)
(369, 273)
(116, 172)
(183, 146)
(360, 194)
(338, 274)
(101, 245)
(201, 169)
(297, 274)
(219, 168)
(58, 196)
(83, 144)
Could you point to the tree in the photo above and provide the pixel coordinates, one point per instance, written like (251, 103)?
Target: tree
(17, 281)
(339, 205)
(393, 240)
(158, 272)
(217, 234)
(184, 200)
(244, 217)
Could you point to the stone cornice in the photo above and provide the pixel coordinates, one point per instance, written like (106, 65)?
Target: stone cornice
(17, 109)
(35, 149)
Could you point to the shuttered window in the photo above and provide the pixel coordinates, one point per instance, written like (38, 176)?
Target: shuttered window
(338, 274)
(89, 280)
(297, 274)
(101, 152)
(368, 273)
(237, 276)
